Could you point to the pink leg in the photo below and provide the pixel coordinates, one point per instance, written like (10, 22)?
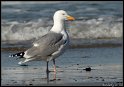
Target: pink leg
(54, 69)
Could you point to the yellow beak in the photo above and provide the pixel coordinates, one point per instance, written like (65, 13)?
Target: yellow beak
(70, 18)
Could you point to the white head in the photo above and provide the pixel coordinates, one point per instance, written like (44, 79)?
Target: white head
(62, 15)
(59, 17)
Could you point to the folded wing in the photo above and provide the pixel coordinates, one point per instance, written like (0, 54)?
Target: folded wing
(45, 46)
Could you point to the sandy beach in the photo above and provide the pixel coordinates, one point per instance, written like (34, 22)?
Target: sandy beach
(106, 69)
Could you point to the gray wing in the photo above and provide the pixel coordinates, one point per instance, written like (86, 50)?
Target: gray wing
(46, 45)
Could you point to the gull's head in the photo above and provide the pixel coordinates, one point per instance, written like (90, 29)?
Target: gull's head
(62, 15)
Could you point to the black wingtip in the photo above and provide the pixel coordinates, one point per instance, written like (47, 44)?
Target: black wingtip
(21, 54)
(11, 55)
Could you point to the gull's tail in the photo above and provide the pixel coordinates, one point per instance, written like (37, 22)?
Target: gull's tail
(20, 55)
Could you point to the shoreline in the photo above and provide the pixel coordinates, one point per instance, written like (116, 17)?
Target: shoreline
(70, 47)
(74, 43)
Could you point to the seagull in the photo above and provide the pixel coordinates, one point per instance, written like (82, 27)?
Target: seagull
(51, 45)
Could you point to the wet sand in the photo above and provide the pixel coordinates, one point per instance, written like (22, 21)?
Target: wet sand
(65, 76)
(106, 69)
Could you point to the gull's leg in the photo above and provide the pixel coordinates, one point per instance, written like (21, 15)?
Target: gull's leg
(54, 65)
(47, 69)
(47, 72)
(54, 69)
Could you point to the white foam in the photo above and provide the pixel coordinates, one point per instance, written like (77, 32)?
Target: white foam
(92, 28)
(96, 28)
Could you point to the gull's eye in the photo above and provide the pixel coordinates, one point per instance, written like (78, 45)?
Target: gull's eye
(63, 14)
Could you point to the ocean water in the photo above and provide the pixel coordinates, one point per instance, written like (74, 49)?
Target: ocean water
(32, 19)
(84, 56)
